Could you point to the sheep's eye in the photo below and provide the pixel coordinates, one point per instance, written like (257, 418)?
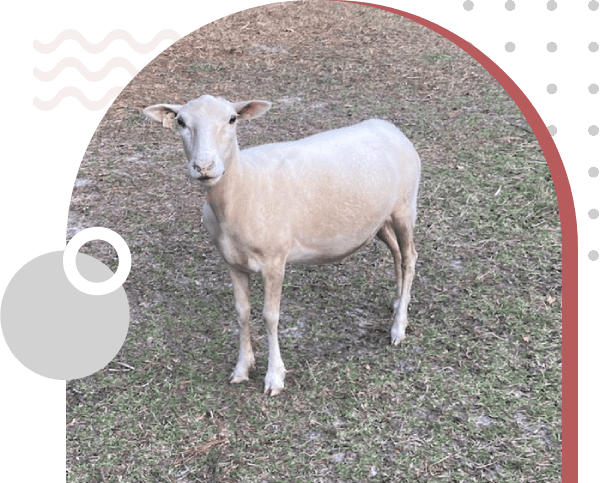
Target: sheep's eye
(180, 122)
(232, 119)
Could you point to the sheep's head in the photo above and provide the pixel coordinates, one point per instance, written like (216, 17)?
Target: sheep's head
(207, 127)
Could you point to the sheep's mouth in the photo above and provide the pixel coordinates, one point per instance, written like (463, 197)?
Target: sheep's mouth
(200, 177)
(208, 180)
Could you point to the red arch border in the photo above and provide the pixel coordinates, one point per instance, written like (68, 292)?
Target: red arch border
(569, 238)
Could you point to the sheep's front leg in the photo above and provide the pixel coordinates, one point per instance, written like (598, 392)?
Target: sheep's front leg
(241, 293)
(273, 278)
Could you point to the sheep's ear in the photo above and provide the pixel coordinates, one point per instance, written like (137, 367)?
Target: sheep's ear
(164, 113)
(251, 109)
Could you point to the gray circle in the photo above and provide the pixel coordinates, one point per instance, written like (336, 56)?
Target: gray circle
(593, 5)
(468, 5)
(593, 88)
(509, 47)
(551, 5)
(54, 329)
(593, 172)
(593, 214)
(552, 47)
(551, 88)
(552, 130)
(593, 255)
(593, 47)
(510, 5)
(593, 130)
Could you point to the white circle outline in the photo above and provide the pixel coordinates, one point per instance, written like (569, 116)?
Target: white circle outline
(70, 264)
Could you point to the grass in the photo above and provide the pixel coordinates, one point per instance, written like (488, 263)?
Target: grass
(198, 67)
(474, 392)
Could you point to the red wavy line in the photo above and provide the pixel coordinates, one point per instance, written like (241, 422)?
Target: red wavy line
(83, 70)
(118, 34)
(71, 91)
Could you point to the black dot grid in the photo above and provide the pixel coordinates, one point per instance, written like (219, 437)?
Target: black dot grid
(553, 88)
(593, 213)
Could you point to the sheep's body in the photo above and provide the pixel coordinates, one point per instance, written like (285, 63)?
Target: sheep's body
(315, 200)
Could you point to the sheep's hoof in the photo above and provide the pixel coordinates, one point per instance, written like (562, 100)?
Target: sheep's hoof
(241, 370)
(272, 391)
(397, 336)
(274, 383)
(398, 333)
(397, 340)
(237, 379)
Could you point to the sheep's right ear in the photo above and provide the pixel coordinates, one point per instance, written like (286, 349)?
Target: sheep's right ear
(164, 113)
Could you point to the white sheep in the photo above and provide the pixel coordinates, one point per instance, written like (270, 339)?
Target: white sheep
(316, 200)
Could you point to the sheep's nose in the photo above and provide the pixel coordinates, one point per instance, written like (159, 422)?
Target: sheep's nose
(203, 165)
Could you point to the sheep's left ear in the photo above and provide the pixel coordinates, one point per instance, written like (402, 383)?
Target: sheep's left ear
(251, 109)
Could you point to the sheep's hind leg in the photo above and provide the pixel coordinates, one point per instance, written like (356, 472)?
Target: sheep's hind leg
(388, 236)
(404, 233)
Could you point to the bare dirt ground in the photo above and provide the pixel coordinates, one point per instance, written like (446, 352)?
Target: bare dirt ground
(473, 394)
